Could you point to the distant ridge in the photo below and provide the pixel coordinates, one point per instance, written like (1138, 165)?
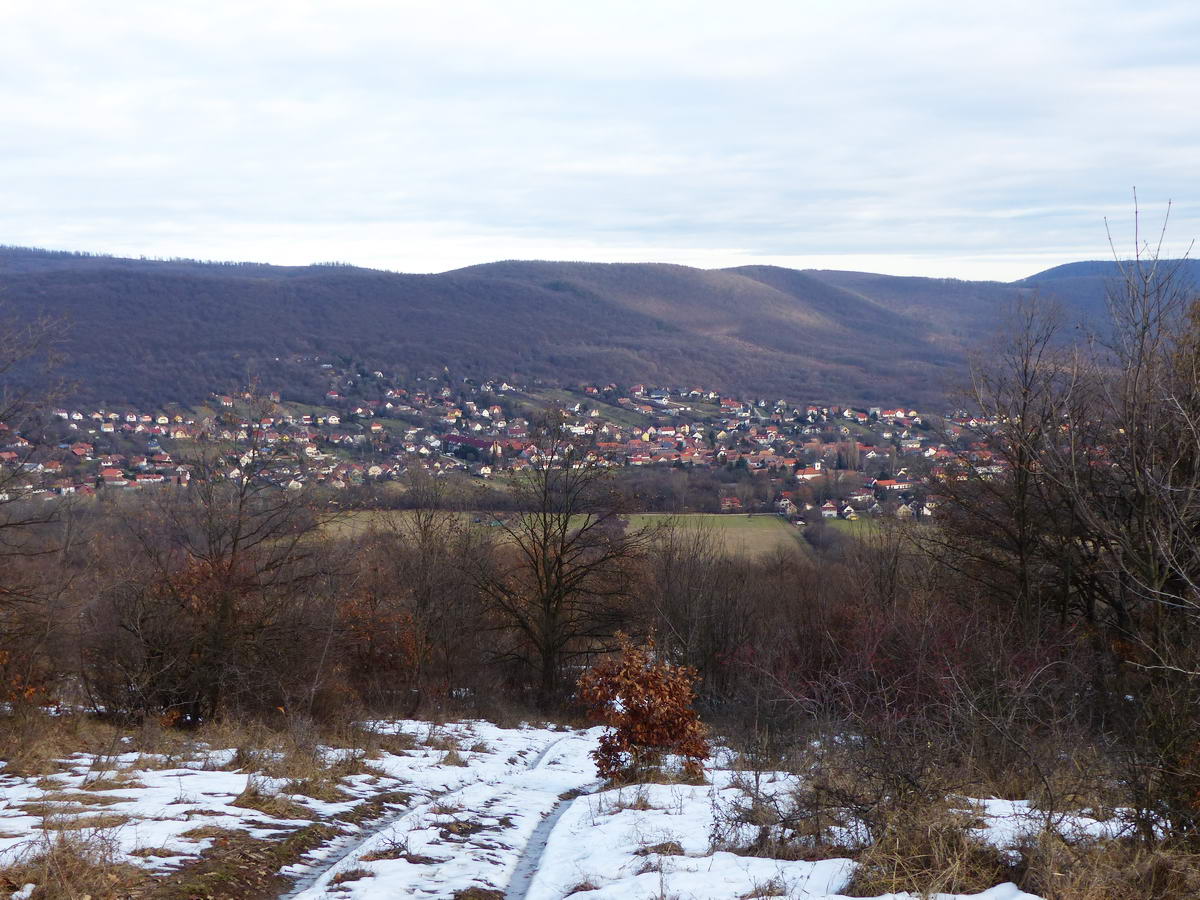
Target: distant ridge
(153, 331)
(1082, 286)
(1189, 268)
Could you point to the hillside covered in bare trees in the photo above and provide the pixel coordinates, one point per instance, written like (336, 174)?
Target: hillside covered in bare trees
(152, 332)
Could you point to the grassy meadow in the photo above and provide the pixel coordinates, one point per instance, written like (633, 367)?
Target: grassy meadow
(750, 535)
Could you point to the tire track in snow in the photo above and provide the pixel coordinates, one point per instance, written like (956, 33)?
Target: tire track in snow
(537, 760)
(344, 847)
(531, 857)
(352, 845)
(534, 851)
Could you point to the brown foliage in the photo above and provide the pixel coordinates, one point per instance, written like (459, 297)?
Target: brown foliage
(380, 638)
(647, 704)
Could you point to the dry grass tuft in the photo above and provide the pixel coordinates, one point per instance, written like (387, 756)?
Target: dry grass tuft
(478, 893)
(1107, 870)
(97, 822)
(298, 758)
(205, 832)
(320, 788)
(70, 866)
(154, 852)
(398, 849)
(439, 740)
(356, 874)
(275, 805)
(927, 850)
(117, 782)
(638, 799)
(460, 828)
(70, 797)
(32, 742)
(772, 888)
(398, 744)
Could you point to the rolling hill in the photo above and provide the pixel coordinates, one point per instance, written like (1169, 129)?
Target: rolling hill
(148, 332)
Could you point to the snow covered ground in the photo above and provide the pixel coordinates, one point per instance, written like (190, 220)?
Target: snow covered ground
(506, 813)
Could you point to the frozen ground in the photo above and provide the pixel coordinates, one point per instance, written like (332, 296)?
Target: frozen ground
(511, 813)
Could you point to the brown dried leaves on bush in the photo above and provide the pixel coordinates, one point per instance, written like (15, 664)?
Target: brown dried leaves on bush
(647, 704)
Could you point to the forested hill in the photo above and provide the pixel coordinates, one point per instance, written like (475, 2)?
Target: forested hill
(147, 332)
(1082, 285)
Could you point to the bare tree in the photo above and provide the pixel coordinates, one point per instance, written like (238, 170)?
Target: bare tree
(1097, 507)
(28, 387)
(410, 614)
(219, 564)
(1122, 453)
(996, 509)
(36, 535)
(558, 575)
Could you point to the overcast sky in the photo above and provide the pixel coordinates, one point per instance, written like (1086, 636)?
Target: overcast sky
(951, 139)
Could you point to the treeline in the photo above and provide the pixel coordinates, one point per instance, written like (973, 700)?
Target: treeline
(636, 489)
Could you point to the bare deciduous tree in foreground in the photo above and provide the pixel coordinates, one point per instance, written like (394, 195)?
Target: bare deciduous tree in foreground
(558, 575)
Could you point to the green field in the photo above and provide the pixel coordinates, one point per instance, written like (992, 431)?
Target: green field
(740, 534)
(861, 527)
(353, 523)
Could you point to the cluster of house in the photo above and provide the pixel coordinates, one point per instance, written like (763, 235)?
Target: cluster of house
(79, 452)
(876, 497)
(368, 427)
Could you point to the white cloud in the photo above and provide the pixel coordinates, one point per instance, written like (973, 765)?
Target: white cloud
(937, 138)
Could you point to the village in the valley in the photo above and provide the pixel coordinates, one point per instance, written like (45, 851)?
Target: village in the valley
(819, 461)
